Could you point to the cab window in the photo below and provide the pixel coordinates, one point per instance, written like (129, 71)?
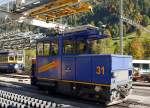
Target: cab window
(81, 47)
(69, 47)
(46, 48)
(40, 49)
(54, 48)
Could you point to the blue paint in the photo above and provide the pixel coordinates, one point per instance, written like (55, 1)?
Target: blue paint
(83, 69)
(102, 61)
(68, 68)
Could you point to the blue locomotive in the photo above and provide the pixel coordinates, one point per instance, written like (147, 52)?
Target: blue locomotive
(67, 64)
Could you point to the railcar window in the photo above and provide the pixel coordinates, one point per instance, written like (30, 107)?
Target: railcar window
(54, 48)
(136, 65)
(20, 52)
(19, 58)
(16, 57)
(145, 66)
(46, 49)
(3, 58)
(40, 49)
(11, 58)
(69, 47)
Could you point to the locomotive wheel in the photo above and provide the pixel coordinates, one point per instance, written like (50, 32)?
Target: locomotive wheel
(33, 81)
(52, 89)
(75, 90)
(40, 88)
(7, 71)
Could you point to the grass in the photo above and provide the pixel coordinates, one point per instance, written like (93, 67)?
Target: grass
(144, 34)
(130, 36)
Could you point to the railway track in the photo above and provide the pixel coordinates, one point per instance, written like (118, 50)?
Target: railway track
(15, 78)
(14, 96)
(9, 99)
(18, 95)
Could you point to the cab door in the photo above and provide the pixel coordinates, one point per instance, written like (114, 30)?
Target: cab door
(48, 60)
(68, 59)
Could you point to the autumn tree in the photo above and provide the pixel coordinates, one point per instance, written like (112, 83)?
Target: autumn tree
(135, 48)
(146, 45)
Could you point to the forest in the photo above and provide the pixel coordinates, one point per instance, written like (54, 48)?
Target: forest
(107, 12)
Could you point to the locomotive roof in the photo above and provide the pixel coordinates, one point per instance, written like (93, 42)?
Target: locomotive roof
(79, 33)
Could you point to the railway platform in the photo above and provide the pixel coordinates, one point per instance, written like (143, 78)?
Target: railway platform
(15, 78)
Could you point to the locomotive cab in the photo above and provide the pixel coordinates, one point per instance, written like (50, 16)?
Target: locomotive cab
(68, 64)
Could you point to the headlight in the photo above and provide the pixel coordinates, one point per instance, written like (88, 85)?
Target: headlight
(16, 66)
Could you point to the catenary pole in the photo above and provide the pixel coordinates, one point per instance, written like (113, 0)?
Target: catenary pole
(121, 27)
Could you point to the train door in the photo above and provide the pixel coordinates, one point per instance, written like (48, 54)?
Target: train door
(68, 59)
(48, 60)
